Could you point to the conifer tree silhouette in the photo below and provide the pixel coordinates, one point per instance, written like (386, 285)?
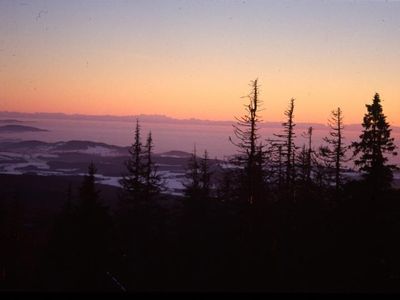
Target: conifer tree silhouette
(193, 178)
(375, 142)
(251, 154)
(143, 182)
(287, 142)
(138, 216)
(153, 183)
(334, 153)
(305, 158)
(134, 182)
(93, 224)
(205, 175)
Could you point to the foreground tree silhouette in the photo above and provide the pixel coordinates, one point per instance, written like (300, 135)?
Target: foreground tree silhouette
(205, 175)
(198, 178)
(375, 207)
(79, 254)
(62, 250)
(197, 227)
(13, 244)
(251, 152)
(375, 142)
(134, 182)
(139, 218)
(93, 224)
(192, 184)
(305, 158)
(142, 183)
(288, 145)
(334, 153)
(153, 183)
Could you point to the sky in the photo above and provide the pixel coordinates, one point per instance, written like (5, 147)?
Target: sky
(195, 59)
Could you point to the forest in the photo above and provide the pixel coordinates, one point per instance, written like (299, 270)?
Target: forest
(282, 217)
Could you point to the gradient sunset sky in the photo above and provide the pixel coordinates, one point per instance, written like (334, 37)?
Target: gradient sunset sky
(196, 58)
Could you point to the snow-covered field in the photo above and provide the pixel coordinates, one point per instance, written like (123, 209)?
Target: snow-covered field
(71, 158)
(96, 150)
(212, 136)
(29, 160)
(173, 182)
(38, 163)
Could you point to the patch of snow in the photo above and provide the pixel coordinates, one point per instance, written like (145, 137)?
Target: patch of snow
(102, 151)
(68, 170)
(49, 173)
(46, 155)
(229, 166)
(166, 173)
(108, 180)
(173, 184)
(12, 154)
(94, 150)
(175, 193)
(3, 158)
(352, 174)
(170, 156)
(164, 165)
(13, 168)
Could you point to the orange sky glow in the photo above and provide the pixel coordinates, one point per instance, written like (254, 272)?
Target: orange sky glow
(70, 60)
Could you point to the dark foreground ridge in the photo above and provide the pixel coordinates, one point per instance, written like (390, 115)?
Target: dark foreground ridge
(311, 247)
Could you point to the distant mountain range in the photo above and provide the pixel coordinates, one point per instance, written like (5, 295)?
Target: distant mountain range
(19, 128)
(76, 146)
(10, 121)
(148, 118)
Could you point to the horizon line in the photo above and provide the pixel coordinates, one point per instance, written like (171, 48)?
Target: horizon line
(167, 118)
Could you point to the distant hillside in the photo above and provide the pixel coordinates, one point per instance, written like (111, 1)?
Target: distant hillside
(10, 121)
(82, 145)
(76, 146)
(160, 119)
(16, 145)
(87, 147)
(175, 154)
(19, 128)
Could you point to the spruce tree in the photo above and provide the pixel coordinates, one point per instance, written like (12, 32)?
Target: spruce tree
(197, 183)
(193, 178)
(205, 176)
(375, 142)
(305, 158)
(63, 248)
(138, 215)
(153, 183)
(88, 195)
(334, 153)
(275, 163)
(251, 154)
(143, 182)
(15, 233)
(134, 183)
(93, 234)
(287, 143)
